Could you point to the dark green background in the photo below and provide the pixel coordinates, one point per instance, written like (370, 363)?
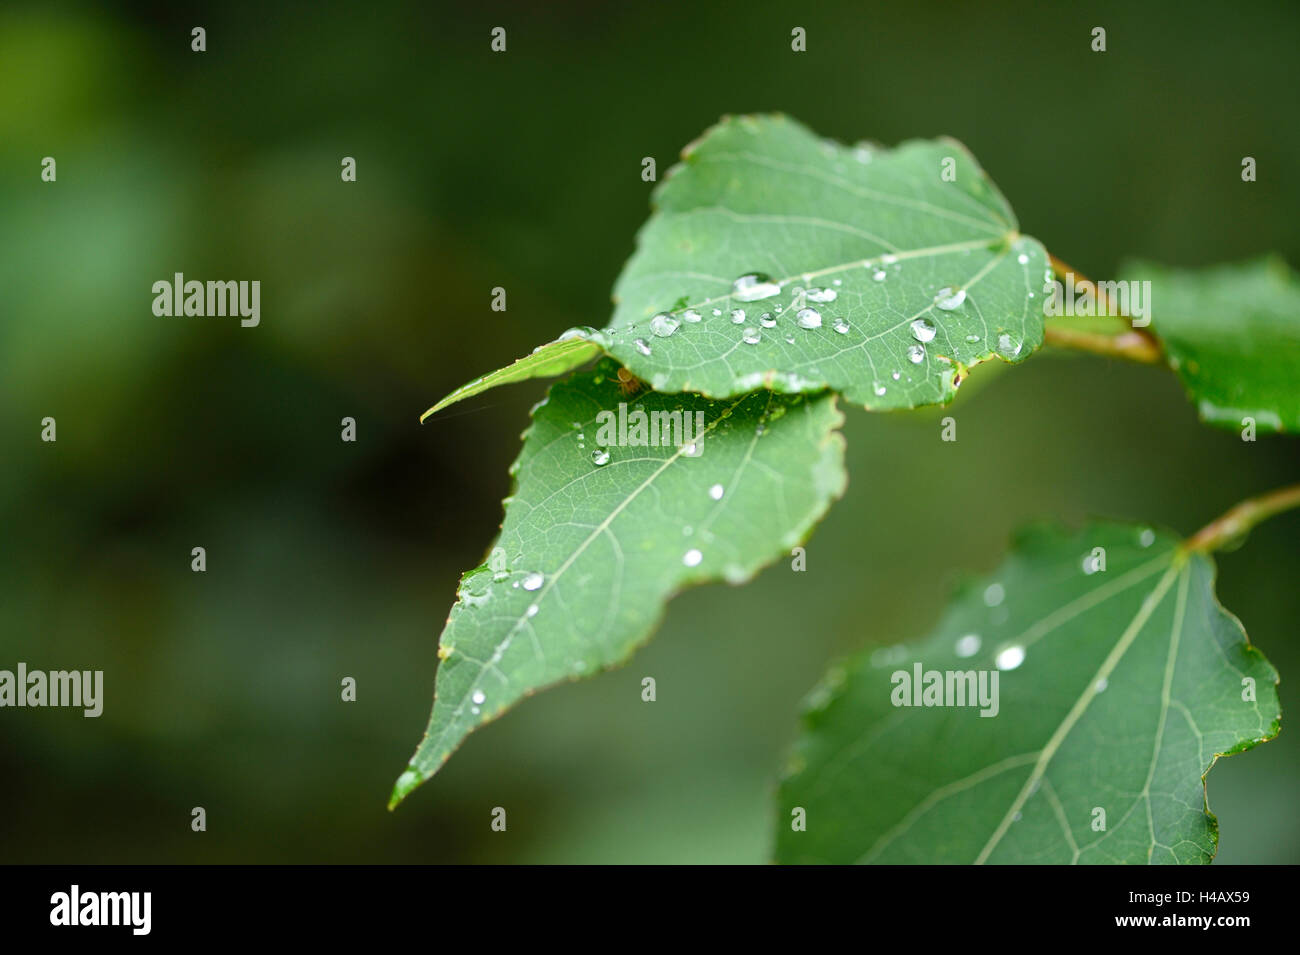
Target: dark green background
(523, 170)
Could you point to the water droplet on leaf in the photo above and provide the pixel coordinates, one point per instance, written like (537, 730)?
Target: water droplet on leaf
(809, 318)
(923, 330)
(1010, 658)
(664, 324)
(947, 299)
(754, 286)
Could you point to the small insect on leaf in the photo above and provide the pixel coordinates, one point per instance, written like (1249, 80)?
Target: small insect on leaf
(628, 383)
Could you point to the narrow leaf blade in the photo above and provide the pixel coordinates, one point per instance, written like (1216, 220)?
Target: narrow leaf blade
(546, 361)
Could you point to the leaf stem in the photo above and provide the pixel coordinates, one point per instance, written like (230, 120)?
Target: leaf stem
(1135, 344)
(1241, 518)
(1131, 344)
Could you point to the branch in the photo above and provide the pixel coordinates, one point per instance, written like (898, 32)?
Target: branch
(1241, 518)
(1130, 344)
(1135, 344)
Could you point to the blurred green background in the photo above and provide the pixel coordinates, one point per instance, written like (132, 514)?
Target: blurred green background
(522, 170)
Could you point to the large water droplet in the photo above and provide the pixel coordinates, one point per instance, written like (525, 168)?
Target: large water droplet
(582, 331)
(841, 326)
(533, 581)
(599, 456)
(692, 316)
(1007, 347)
(1010, 658)
(664, 324)
(809, 318)
(754, 286)
(737, 316)
(923, 330)
(641, 346)
(767, 320)
(947, 299)
(750, 336)
(916, 354)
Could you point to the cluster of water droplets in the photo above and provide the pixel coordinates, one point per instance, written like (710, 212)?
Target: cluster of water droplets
(478, 587)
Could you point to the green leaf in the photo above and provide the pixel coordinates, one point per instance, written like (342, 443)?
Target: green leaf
(1232, 333)
(865, 237)
(554, 358)
(1133, 681)
(765, 195)
(589, 554)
